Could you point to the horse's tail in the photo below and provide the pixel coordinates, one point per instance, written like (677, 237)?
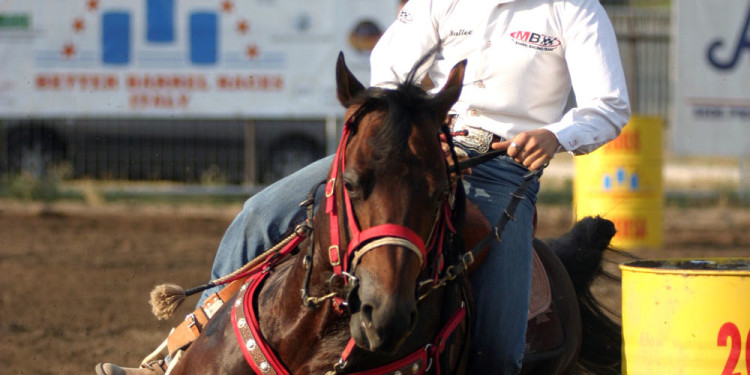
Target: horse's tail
(581, 251)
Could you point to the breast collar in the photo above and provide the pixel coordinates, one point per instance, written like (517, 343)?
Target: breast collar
(263, 360)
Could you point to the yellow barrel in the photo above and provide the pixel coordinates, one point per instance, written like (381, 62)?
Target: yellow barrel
(687, 316)
(638, 220)
(622, 181)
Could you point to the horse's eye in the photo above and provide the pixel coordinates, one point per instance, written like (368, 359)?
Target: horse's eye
(349, 186)
(358, 183)
(350, 183)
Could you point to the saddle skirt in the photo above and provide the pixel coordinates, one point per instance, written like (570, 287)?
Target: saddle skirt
(541, 293)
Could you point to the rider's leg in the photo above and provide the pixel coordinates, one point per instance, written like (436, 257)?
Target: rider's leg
(155, 368)
(265, 219)
(502, 284)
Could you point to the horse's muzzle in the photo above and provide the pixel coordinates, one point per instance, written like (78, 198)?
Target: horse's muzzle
(380, 322)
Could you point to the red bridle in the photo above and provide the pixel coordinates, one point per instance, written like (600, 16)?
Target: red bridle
(363, 241)
(257, 351)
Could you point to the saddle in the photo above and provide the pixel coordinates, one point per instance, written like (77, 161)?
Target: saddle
(541, 294)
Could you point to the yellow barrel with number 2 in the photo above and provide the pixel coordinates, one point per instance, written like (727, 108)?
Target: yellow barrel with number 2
(686, 316)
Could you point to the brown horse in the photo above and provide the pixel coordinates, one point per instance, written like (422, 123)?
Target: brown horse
(377, 236)
(386, 269)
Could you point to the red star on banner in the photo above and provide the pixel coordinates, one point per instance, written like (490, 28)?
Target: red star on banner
(68, 50)
(93, 4)
(242, 27)
(78, 25)
(252, 51)
(227, 6)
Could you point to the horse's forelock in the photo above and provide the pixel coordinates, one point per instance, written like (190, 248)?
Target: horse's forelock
(401, 108)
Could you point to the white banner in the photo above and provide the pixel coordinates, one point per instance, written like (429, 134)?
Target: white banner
(712, 83)
(182, 58)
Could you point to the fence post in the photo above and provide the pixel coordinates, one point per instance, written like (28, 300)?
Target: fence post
(251, 170)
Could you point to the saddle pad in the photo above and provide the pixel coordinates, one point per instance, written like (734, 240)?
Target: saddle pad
(541, 295)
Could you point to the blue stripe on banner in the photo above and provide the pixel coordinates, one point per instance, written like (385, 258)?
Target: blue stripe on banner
(203, 37)
(160, 21)
(116, 38)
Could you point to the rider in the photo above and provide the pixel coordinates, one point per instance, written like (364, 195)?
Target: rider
(524, 57)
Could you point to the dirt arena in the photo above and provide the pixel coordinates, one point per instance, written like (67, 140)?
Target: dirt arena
(74, 280)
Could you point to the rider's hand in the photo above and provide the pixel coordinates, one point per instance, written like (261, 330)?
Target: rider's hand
(534, 149)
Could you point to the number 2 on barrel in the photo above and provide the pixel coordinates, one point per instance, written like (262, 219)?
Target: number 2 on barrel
(730, 331)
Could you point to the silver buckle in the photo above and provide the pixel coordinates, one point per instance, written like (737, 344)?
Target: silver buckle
(477, 139)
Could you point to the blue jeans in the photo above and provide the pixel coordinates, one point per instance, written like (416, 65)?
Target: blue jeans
(501, 286)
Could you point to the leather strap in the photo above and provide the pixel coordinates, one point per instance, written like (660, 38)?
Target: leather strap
(190, 328)
(258, 353)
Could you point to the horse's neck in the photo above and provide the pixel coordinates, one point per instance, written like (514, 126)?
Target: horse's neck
(307, 340)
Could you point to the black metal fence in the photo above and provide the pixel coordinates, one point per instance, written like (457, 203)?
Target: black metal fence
(205, 151)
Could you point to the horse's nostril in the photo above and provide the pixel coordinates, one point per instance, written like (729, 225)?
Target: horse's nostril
(367, 313)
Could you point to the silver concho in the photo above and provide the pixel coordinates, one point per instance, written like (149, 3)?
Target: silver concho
(415, 368)
(264, 366)
(250, 344)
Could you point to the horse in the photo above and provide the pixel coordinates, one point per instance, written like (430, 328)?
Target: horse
(372, 241)
(381, 263)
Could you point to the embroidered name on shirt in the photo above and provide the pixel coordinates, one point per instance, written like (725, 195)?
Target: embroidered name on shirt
(536, 41)
(405, 16)
(461, 32)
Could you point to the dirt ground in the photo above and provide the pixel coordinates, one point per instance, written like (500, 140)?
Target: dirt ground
(74, 280)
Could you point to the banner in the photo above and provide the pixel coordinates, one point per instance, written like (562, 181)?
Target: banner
(182, 58)
(712, 82)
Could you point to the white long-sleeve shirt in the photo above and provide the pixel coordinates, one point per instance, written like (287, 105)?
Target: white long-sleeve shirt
(523, 58)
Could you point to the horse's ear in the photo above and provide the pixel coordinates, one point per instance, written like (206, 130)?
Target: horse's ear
(449, 94)
(347, 86)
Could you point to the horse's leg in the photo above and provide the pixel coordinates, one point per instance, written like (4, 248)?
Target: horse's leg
(563, 359)
(216, 350)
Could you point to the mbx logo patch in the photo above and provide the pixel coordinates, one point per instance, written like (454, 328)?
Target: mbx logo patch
(536, 41)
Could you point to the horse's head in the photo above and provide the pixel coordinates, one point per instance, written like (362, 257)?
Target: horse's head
(387, 191)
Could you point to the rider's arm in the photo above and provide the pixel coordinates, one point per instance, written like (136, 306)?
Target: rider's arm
(598, 81)
(409, 38)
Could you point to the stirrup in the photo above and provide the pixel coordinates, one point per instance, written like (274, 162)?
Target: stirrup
(158, 367)
(154, 362)
(156, 354)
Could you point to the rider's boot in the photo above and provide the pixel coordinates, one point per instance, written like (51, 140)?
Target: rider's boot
(153, 368)
(179, 338)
